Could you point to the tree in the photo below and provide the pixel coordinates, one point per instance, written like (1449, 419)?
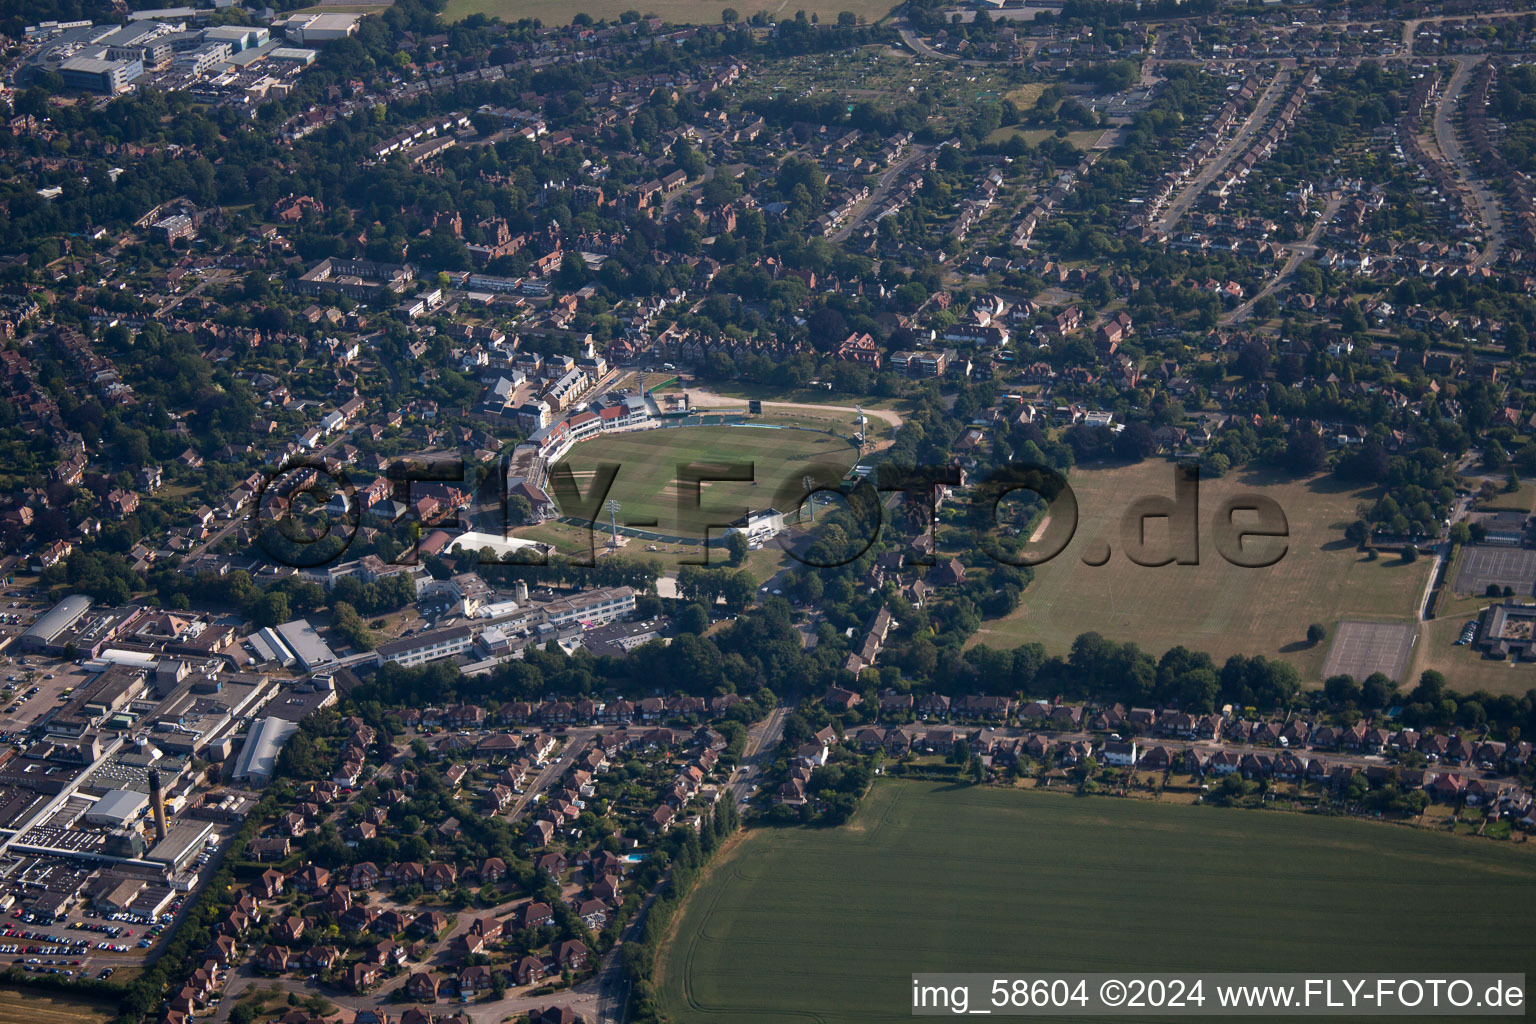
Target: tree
(693, 619)
(1304, 452)
(1135, 442)
(1316, 633)
(1253, 361)
(736, 544)
(738, 589)
(1341, 690)
(729, 16)
(1376, 691)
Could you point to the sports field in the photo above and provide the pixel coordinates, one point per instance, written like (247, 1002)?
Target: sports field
(828, 925)
(677, 12)
(1214, 606)
(650, 491)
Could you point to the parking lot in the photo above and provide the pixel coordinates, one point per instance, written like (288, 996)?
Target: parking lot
(51, 678)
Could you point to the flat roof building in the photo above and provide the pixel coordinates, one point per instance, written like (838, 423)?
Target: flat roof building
(425, 647)
(239, 37)
(306, 29)
(180, 845)
(117, 807)
(293, 53)
(106, 77)
(590, 607)
(306, 645)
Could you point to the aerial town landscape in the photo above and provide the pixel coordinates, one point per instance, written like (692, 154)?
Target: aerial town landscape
(532, 512)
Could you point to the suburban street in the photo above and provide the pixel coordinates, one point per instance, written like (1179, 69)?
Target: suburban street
(1298, 252)
(576, 741)
(877, 195)
(1450, 148)
(762, 739)
(1240, 139)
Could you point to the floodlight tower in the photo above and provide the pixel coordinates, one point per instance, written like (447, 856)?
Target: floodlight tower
(613, 521)
(810, 495)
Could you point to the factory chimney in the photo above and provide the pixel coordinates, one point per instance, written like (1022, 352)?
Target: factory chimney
(157, 801)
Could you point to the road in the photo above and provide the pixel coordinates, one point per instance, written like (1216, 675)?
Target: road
(761, 741)
(1450, 148)
(877, 195)
(1299, 252)
(1235, 146)
(576, 742)
(177, 300)
(916, 45)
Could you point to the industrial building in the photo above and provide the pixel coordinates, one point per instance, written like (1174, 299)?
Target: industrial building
(239, 37)
(293, 53)
(51, 624)
(118, 808)
(180, 845)
(258, 758)
(92, 704)
(306, 29)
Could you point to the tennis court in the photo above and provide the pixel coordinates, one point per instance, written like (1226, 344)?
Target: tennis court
(1361, 648)
(1482, 564)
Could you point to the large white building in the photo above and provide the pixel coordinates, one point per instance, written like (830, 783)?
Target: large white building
(759, 527)
(590, 607)
(425, 647)
(307, 29)
(93, 74)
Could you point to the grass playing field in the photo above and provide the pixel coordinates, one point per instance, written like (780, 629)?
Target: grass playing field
(1214, 606)
(1464, 667)
(829, 925)
(1083, 140)
(647, 484)
(677, 12)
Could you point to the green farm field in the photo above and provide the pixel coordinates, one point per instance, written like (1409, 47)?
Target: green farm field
(676, 12)
(1214, 606)
(829, 925)
(648, 460)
